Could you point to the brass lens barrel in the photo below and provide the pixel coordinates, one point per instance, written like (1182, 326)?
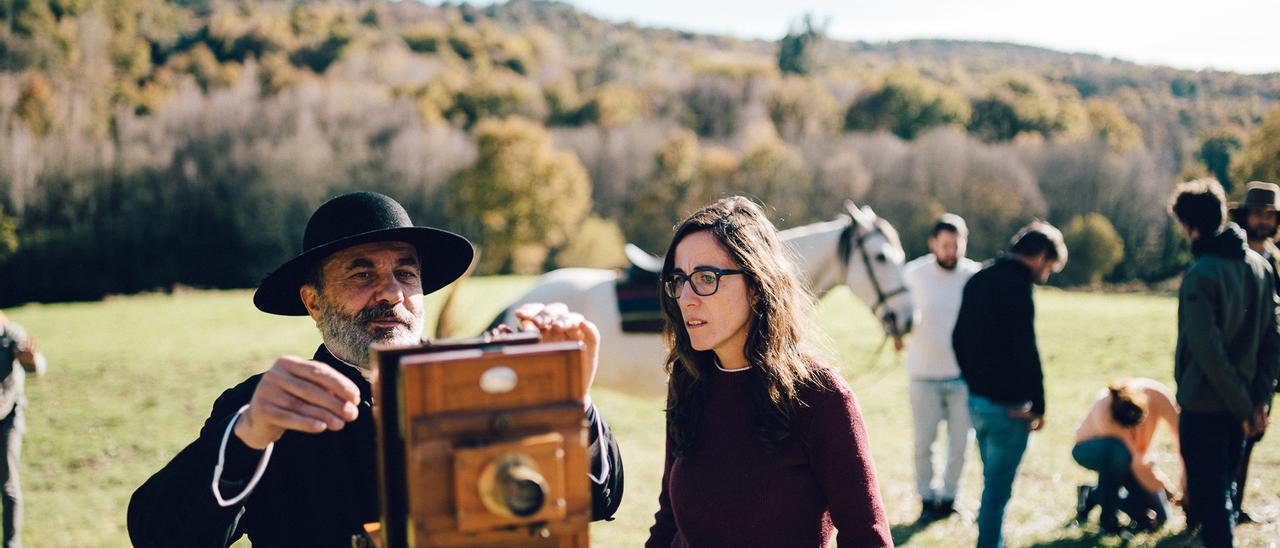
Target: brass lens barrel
(512, 486)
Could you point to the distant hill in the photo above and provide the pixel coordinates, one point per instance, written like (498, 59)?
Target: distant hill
(244, 115)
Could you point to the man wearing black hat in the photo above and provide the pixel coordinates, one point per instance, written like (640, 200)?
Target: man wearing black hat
(1258, 216)
(287, 457)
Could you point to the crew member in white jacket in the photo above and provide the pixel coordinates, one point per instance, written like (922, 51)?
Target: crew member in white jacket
(936, 391)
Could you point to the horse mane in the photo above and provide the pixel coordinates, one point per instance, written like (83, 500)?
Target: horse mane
(805, 230)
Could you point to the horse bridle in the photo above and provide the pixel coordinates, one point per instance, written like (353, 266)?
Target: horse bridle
(848, 238)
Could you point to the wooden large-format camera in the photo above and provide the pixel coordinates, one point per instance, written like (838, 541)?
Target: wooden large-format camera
(483, 442)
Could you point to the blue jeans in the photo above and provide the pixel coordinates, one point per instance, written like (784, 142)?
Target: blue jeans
(932, 402)
(1001, 442)
(1110, 458)
(1211, 448)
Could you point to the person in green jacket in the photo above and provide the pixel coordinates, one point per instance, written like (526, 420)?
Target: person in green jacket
(1226, 357)
(1259, 216)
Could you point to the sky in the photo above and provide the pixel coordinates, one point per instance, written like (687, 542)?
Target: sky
(1236, 35)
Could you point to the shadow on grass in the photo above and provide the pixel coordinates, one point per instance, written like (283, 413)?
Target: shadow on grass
(903, 532)
(1076, 536)
(1082, 538)
(1177, 539)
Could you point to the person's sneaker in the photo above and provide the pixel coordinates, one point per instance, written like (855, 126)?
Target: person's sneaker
(1146, 524)
(1083, 504)
(1244, 518)
(945, 509)
(926, 512)
(1125, 534)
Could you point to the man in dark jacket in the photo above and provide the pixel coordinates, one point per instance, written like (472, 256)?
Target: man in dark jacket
(1226, 358)
(995, 344)
(288, 456)
(1259, 218)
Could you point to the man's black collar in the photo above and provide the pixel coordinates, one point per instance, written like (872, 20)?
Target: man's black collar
(348, 370)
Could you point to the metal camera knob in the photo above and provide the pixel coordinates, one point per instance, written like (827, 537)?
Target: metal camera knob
(512, 486)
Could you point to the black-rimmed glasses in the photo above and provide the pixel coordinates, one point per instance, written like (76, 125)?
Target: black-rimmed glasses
(705, 281)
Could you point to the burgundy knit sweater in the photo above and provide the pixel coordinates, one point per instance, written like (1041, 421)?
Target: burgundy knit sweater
(730, 492)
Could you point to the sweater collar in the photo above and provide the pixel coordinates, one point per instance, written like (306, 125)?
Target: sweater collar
(1011, 263)
(1228, 243)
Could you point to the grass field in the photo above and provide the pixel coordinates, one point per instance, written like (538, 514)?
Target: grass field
(131, 379)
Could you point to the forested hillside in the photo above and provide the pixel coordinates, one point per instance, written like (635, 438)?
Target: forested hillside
(145, 144)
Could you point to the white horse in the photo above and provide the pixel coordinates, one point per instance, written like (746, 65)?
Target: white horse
(859, 249)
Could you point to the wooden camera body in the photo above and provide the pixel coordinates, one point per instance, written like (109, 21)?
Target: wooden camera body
(482, 442)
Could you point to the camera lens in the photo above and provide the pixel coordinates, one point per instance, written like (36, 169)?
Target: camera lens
(512, 486)
(524, 497)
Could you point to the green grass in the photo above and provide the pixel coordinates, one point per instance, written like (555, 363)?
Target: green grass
(131, 379)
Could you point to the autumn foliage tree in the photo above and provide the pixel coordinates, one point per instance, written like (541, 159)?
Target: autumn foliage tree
(908, 104)
(1095, 249)
(660, 202)
(520, 198)
(1260, 160)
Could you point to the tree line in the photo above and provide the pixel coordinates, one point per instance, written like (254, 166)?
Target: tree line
(145, 144)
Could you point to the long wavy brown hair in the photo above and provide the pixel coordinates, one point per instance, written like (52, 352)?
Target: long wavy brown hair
(779, 325)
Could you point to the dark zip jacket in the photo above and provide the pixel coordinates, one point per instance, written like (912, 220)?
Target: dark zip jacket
(995, 336)
(318, 489)
(1228, 349)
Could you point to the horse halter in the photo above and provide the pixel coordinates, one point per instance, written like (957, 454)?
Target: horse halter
(850, 237)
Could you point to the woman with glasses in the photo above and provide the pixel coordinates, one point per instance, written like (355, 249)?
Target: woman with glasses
(765, 443)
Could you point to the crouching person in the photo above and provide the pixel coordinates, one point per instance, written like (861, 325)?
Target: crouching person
(1114, 439)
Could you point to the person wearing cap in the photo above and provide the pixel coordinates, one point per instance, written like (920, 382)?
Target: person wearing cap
(287, 457)
(1258, 216)
(1227, 353)
(995, 345)
(936, 392)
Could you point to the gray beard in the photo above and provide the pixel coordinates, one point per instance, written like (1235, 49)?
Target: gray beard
(349, 337)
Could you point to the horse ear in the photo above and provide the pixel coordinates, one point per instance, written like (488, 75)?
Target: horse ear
(868, 211)
(852, 209)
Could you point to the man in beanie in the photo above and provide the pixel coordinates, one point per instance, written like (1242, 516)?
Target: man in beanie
(1258, 216)
(1227, 354)
(995, 345)
(287, 457)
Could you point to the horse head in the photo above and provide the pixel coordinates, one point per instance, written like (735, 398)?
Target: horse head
(873, 268)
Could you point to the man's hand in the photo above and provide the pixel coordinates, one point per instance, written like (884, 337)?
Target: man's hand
(297, 394)
(27, 352)
(556, 323)
(1260, 419)
(1036, 420)
(1257, 423)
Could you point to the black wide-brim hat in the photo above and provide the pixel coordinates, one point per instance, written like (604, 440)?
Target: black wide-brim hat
(1259, 195)
(361, 218)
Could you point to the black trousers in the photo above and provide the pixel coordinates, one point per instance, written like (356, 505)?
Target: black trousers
(1211, 448)
(11, 430)
(1242, 472)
